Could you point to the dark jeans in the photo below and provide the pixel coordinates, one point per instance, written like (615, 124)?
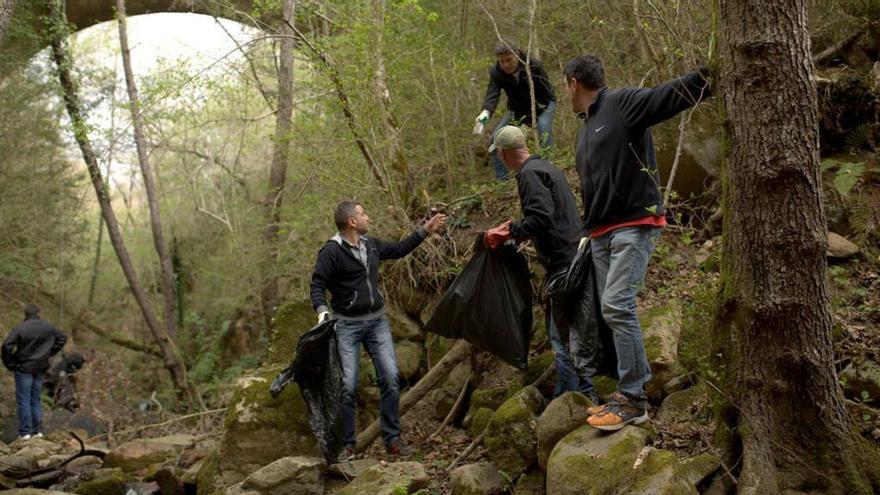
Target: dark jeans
(27, 396)
(545, 130)
(375, 335)
(567, 377)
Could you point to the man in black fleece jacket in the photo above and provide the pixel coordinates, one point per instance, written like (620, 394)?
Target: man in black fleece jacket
(348, 266)
(550, 219)
(623, 209)
(26, 352)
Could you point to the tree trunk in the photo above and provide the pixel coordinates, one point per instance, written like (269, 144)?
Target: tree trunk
(399, 163)
(63, 62)
(169, 287)
(788, 407)
(7, 8)
(280, 161)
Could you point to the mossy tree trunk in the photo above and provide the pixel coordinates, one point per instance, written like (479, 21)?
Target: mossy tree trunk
(789, 414)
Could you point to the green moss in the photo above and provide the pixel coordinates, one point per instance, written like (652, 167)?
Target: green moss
(479, 421)
(652, 347)
(290, 322)
(109, 482)
(604, 385)
(207, 477)
(538, 365)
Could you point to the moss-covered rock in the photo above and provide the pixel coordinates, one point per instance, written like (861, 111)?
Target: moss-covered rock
(562, 416)
(288, 476)
(510, 435)
(402, 326)
(291, 321)
(444, 396)
(661, 473)
(409, 358)
(476, 479)
(536, 368)
(392, 479)
(143, 453)
(861, 377)
(437, 347)
(106, 482)
(661, 330)
(33, 491)
(684, 406)
(488, 398)
(479, 420)
(207, 477)
(259, 429)
(604, 386)
(590, 462)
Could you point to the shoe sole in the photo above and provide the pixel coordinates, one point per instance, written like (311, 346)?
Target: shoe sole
(634, 421)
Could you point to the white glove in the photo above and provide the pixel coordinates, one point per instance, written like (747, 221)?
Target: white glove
(323, 315)
(582, 242)
(483, 117)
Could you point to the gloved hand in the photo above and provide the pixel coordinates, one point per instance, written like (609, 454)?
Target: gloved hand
(483, 117)
(496, 236)
(323, 315)
(582, 242)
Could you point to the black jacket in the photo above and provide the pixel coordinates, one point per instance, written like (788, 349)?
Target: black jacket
(30, 344)
(516, 87)
(354, 288)
(549, 213)
(615, 151)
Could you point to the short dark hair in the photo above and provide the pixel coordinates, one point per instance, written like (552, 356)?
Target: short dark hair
(344, 211)
(505, 46)
(587, 70)
(31, 310)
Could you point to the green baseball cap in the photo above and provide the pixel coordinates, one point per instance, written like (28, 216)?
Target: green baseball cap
(509, 137)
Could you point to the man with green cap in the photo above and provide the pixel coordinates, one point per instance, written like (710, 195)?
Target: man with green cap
(550, 219)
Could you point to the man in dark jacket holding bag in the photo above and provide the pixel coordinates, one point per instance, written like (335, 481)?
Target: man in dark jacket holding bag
(26, 352)
(550, 218)
(623, 209)
(348, 266)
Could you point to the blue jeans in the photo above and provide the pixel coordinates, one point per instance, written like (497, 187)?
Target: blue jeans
(620, 259)
(27, 397)
(545, 130)
(567, 376)
(375, 335)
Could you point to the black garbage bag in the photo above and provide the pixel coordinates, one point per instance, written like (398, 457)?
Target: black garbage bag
(489, 304)
(578, 316)
(317, 369)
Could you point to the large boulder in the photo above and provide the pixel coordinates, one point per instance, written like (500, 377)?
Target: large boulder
(259, 429)
(488, 398)
(17, 466)
(562, 416)
(510, 435)
(105, 482)
(860, 377)
(390, 479)
(288, 476)
(143, 453)
(661, 329)
(588, 461)
(409, 358)
(476, 479)
(662, 473)
(290, 322)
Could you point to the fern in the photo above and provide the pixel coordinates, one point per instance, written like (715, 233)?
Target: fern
(858, 138)
(847, 176)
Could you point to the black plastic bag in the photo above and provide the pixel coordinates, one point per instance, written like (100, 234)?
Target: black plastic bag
(317, 369)
(578, 316)
(489, 304)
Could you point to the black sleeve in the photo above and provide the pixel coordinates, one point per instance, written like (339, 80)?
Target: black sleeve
(60, 340)
(394, 250)
(9, 345)
(537, 206)
(543, 87)
(644, 107)
(493, 93)
(324, 268)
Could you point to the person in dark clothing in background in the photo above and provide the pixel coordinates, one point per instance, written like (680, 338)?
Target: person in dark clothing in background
(550, 217)
(509, 74)
(623, 209)
(348, 266)
(26, 352)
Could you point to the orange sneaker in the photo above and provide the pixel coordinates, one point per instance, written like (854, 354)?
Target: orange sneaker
(616, 398)
(616, 416)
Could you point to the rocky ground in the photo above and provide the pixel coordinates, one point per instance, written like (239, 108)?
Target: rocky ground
(505, 436)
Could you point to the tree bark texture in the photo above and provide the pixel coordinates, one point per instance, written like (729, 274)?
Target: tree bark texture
(788, 411)
(169, 285)
(280, 161)
(63, 62)
(7, 8)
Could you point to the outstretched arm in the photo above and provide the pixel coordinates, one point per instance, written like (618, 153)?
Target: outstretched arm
(645, 107)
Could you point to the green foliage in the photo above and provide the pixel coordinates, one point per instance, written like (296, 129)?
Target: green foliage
(847, 174)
